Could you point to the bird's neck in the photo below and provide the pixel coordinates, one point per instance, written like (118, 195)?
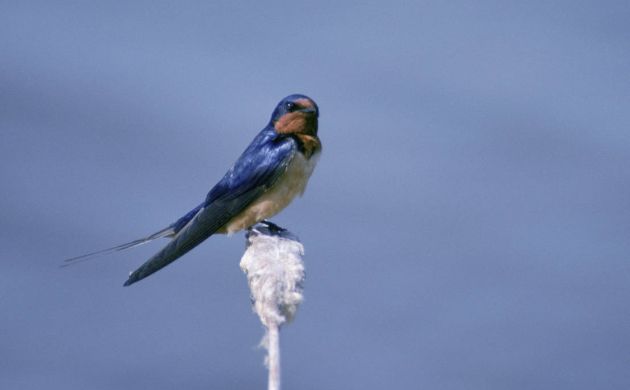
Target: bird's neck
(308, 144)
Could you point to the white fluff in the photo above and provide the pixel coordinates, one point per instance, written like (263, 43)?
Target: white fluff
(275, 273)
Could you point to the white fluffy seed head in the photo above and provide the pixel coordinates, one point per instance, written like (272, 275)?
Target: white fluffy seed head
(275, 272)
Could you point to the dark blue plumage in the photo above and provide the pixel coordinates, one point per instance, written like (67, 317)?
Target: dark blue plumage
(259, 161)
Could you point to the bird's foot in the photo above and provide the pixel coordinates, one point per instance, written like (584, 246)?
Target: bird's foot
(273, 227)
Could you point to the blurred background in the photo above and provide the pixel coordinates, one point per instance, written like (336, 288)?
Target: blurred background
(466, 228)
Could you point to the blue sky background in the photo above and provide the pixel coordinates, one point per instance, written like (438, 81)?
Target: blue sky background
(467, 226)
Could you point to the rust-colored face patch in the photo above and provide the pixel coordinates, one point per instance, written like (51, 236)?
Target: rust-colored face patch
(297, 123)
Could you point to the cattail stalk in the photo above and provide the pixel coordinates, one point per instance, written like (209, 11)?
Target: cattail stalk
(275, 273)
(273, 357)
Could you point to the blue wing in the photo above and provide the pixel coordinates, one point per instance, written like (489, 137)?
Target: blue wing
(256, 170)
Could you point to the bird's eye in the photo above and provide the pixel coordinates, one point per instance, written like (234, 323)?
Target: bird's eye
(290, 106)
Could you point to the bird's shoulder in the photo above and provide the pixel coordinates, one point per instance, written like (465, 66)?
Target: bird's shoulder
(260, 164)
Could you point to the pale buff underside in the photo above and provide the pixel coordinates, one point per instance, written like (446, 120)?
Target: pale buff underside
(288, 186)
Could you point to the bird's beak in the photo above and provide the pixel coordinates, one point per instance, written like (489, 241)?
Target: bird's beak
(308, 110)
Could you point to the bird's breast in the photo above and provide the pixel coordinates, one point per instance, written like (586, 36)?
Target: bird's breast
(291, 184)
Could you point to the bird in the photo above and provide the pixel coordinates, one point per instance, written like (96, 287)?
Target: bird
(268, 175)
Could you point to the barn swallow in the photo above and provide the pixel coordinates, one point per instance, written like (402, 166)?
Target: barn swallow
(270, 173)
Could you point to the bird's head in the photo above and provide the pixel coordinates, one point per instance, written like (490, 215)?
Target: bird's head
(296, 114)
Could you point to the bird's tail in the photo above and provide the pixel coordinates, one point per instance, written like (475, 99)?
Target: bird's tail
(166, 232)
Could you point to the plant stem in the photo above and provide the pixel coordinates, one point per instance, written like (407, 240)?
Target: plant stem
(273, 338)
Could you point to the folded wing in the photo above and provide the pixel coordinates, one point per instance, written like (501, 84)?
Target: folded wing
(258, 168)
